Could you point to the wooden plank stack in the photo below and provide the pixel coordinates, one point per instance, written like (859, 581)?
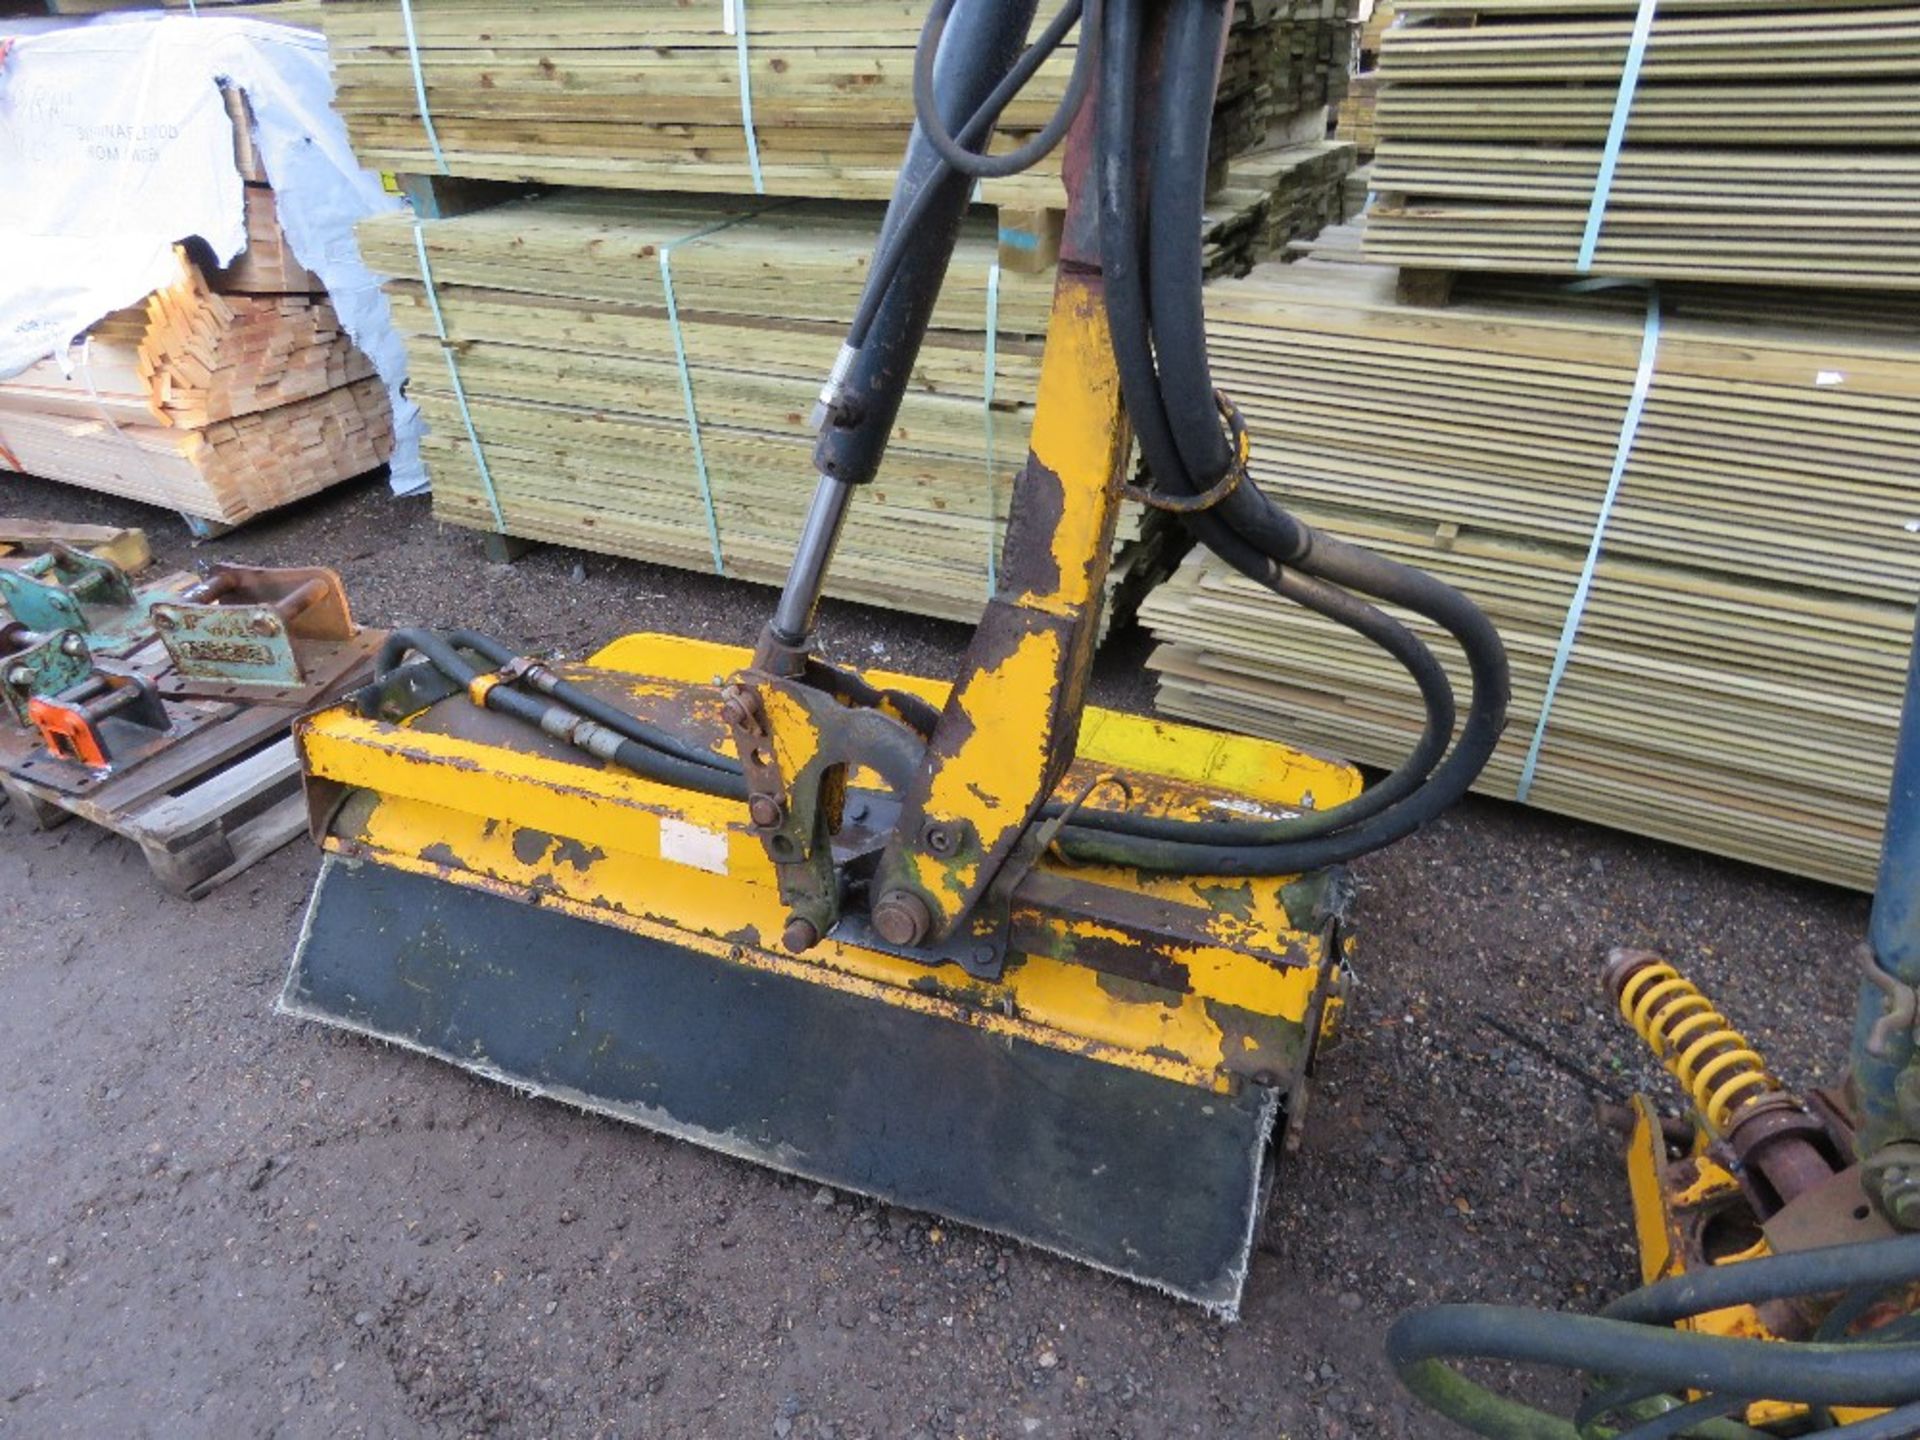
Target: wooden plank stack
(1736, 679)
(1381, 16)
(1770, 141)
(556, 312)
(1358, 120)
(1272, 196)
(649, 95)
(219, 405)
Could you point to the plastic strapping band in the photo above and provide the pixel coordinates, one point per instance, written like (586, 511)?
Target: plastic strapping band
(1616, 132)
(737, 9)
(420, 85)
(986, 406)
(686, 373)
(93, 394)
(453, 374)
(1576, 608)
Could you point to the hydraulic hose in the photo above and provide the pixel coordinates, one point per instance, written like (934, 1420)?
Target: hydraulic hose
(604, 741)
(899, 237)
(1632, 1344)
(976, 163)
(550, 683)
(1177, 197)
(1390, 635)
(1158, 326)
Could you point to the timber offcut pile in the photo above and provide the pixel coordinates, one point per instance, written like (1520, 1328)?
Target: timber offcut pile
(794, 97)
(678, 433)
(1768, 141)
(1734, 679)
(212, 401)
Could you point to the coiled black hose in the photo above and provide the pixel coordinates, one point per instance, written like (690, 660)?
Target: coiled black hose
(1632, 1344)
(1155, 313)
(987, 167)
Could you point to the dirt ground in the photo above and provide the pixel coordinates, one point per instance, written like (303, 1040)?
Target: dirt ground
(214, 1221)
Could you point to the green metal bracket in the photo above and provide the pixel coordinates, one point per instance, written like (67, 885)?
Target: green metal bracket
(53, 666)
(67, 589)
(238, 645)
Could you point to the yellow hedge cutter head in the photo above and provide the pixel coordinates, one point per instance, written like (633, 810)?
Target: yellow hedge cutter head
(613, 942)
(968, 948)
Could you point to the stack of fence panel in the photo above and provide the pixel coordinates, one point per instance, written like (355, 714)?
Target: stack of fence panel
(609, 406)
(781, 97)
(1733, 681)
(604, 419)
(1767, 140)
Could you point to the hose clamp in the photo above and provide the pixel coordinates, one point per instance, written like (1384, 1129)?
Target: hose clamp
(1221, 488)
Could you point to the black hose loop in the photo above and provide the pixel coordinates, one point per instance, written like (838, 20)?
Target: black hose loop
(976, 163)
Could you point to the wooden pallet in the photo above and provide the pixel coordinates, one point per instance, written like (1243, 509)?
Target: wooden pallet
(126, 548)
(201, 812)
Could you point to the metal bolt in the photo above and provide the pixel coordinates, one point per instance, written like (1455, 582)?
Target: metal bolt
(902, 918)
(164, 620)
(265, 625)
(1903, 1201)
(939, 839)
(72, 645)
(20, 675)
(765, 811)
(800, 935)
(741, 710)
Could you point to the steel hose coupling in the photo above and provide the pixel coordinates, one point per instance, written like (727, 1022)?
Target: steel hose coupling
(833, 391)
(596, 739)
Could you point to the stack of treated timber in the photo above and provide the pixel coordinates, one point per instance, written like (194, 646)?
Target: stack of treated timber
(663, 95)
(286, 12)
(1312, 55)
(1358, 120)
(1770, 141)
(220, 405)
(571, 366)
(1272, 197)
(1736, 675)
(1381, 16)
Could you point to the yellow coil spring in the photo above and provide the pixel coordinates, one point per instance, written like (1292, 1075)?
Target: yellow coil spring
(1716, 1064)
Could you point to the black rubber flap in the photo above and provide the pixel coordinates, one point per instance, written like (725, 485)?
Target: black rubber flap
(1135, 1174)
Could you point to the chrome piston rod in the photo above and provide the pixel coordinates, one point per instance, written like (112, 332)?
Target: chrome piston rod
(826, 517)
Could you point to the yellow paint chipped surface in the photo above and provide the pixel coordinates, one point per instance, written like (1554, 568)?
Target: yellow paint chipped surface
(489, 815)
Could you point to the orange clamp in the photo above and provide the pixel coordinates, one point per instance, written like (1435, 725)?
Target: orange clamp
(67, 733)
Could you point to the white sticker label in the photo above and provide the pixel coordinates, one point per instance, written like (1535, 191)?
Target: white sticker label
(693, 845)
(1829, 377)
(727, 21)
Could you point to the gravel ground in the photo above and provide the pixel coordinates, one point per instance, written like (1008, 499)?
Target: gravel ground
(214, 1221)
